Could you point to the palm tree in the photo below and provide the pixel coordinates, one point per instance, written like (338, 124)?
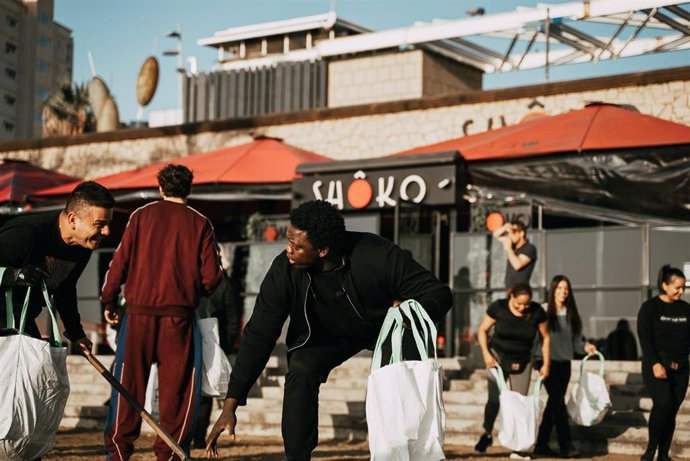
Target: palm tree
(68, 112)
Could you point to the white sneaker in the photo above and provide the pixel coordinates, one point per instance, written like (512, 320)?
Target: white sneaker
(516, 455)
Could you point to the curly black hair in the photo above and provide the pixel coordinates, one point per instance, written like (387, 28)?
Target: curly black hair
(87, 194)
(175, 180)
(322, 223)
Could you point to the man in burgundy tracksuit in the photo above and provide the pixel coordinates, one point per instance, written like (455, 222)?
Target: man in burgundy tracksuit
(167, 259)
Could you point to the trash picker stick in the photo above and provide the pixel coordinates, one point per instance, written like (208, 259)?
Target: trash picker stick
(146, 416)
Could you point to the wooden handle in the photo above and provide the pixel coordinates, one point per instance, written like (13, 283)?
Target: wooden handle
(145, 415)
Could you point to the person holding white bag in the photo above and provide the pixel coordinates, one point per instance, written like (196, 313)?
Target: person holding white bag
(663, 327)
(516, 321)
(336, 287)
(565, 331)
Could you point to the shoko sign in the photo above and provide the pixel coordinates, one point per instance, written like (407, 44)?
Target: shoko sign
(380, 183)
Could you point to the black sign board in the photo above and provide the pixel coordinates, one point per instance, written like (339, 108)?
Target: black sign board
(380, 183)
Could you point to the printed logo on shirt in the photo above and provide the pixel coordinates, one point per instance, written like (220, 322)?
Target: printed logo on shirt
(665, 318)
(59, 270)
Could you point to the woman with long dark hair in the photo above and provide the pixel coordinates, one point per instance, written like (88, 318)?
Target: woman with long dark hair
(565, 330)
(516, 322)
(663, 327)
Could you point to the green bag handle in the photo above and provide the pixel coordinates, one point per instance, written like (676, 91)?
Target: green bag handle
(57, 340)
(601, 358)
(497, 372)
(392, 324)
(427, 325)
(8, 302)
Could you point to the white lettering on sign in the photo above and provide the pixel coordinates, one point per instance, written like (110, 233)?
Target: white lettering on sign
(315, 189)
(335, 194)
(386, 187)
(409, 180)
(383, 198)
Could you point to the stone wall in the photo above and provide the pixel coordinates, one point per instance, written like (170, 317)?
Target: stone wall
(360, 132)
(378, 78)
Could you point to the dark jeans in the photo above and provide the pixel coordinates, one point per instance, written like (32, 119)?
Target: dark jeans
(555, 413)
(308, 368)
(667, 396)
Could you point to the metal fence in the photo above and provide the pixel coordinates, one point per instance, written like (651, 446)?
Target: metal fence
(612, 270)
(285, 87)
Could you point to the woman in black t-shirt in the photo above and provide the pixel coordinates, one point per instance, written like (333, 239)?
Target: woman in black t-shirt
(663, 327)
(515, 321)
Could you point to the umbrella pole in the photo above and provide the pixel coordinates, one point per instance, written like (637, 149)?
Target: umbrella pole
(145, 415)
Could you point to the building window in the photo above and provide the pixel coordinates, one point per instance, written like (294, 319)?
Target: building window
(10, 48)
(9, 100)
(10, 73)
(42, 92)
(44, 18)
(43, 66)
(11, 21)
(9, 126)
(45, 42)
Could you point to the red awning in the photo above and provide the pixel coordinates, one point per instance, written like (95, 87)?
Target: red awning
(263, 161)
(19, 179)
(596, 127)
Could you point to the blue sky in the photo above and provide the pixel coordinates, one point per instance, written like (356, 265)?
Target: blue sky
(121, 34)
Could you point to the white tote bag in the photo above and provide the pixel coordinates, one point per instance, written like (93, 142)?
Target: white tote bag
(216, 368)
(404, 405)
(520, 414)
(589, 399)
(35, 386)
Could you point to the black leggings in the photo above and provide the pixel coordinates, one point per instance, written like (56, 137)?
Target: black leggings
(667, 396)
(555, 413)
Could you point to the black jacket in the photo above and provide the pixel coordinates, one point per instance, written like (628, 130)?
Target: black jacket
(377, 272)
(35, 239)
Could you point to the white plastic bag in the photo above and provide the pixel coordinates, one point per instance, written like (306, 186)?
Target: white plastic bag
(589, 399)
(520, 414)
(34, 384)
(404, 405)
(151, 395)
(216, 368)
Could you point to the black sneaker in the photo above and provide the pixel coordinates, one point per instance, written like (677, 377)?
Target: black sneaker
(663, 458)
(544, 451)
(569, 453)
(485, 441)
(647, 456)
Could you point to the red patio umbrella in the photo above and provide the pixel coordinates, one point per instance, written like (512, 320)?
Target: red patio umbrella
(19, 179)
(596, 127)
(263, 161)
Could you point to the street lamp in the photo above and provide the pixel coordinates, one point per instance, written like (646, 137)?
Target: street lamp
(177, 35)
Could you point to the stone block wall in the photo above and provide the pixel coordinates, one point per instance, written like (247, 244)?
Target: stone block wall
(373, 79)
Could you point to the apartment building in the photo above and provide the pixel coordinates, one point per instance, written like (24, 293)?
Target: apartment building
(35, 58)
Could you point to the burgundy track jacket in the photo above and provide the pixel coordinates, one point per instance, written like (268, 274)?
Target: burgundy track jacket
(167, 259)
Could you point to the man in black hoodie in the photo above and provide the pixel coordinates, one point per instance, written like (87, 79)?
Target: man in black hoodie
(54, 247)
(336, 287)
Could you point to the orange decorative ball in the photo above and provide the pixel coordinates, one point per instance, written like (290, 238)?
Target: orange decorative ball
(494, 221)
(359, 193)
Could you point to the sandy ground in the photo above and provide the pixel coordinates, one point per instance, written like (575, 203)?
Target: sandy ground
(87, 446)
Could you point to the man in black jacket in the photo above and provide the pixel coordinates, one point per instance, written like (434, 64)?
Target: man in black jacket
(336, 287)
(55, 247)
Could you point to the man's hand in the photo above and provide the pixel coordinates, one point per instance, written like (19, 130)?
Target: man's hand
(27, 276)
(659, 371)
(590, 348)
(226, 420)
(111, 316)
(85, 345)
